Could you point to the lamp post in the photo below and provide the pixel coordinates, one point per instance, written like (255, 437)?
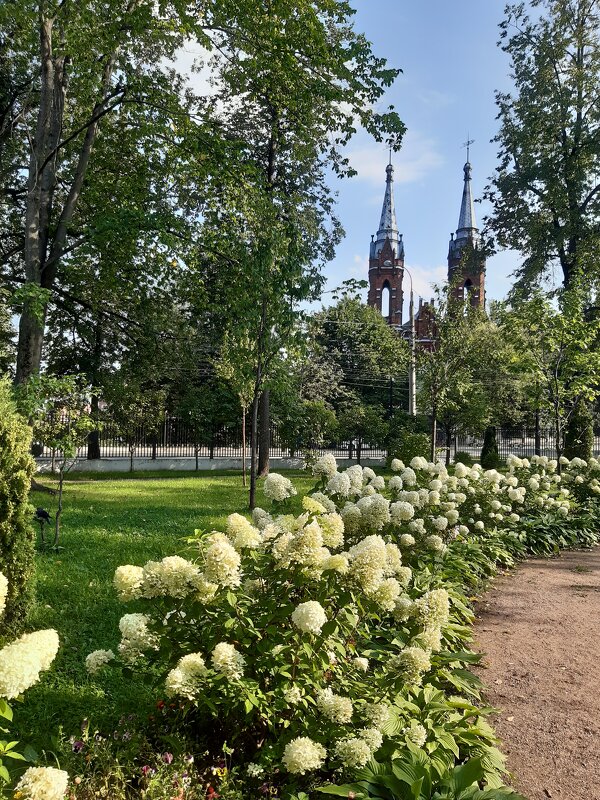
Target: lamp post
(412, 376)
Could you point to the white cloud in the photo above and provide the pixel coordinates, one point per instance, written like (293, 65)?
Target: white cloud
(424, 279)
(360, 268)
(435, 99)
(418, 157)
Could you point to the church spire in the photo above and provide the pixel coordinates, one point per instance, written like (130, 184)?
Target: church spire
(388, 227)
(467, 225)
(387, 224)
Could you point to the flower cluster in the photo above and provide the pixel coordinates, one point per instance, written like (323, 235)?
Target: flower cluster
(278, 488)
(42, 783)
(22, 661)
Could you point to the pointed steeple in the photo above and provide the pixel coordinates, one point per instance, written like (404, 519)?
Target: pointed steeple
(467, 225)
(388, 227)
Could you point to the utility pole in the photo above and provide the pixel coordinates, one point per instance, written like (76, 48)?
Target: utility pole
(412, 376)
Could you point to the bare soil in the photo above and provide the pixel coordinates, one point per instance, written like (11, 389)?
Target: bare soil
(539, 629)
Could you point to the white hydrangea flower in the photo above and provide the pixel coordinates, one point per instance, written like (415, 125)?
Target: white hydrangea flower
(401, 511)
(408, 476)
(361, 663)
(332, 527)
(303, 755)
(226, 660)
(479, 525)
(353, 752)
(369, 563)
(293, 695)
(261, 518)
(397, 465)
(433, 608)
(417, 734)
(387, 593)
(183, 680)
(42, 783)
(325, 466)
(435, 543)
(128, 582)
(411, 663)
(98, 659)
(242, 534)
(403, 608)
(440, 523)
(22, 661)
(137, 637)
(222, 562)
(376, 715)
(335, 707)
(339, 485)
(3, 592)
(395, 484)
(172, 577)
(460, 470)
(325, 501)
(372, 737)
(355, 476)
(418, 462)
(312, 506)
(309, 617)
(407, 540)
(336, 563)
(375, 511)
(277, 487)
(378, 482)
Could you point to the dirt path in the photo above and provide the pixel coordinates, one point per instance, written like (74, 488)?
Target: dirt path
(540, 631)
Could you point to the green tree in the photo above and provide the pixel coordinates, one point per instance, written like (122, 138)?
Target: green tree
(296, 77)
(558, 347)
(59, 410)
(361, 350)
(6, 337)
(361, 424)
(17, 538)
(86, 64)
(546, 190)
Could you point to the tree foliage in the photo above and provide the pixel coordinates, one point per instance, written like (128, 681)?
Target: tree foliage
(17, 537)
(546, 189)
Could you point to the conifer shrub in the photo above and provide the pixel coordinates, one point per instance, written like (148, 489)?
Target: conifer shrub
(579, 435)
(462, 457)
(489, 452)
(17, 537)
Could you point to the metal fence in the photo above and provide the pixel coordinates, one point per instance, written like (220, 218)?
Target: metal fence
(518, 441)
(175, 439)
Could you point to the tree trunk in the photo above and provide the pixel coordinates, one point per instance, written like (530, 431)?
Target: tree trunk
(253, 449)
(196, 449)
(29, 349)
(448, 444)
(358, 449)
(244, 480)
(433, 433)
(131, 453)
(264, 437)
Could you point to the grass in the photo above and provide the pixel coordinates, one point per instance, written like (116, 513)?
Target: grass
(110, 520)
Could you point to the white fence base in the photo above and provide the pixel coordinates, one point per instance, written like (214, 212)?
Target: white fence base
(187, 464)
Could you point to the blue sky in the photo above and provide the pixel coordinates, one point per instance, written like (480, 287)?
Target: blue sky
(451, 67)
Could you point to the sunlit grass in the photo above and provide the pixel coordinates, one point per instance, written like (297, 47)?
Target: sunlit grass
(110, 520)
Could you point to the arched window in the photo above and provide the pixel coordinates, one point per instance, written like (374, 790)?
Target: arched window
(385, 300)
(468, 291)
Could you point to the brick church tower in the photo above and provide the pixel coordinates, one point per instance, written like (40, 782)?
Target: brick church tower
(386, 259)
(466, 262)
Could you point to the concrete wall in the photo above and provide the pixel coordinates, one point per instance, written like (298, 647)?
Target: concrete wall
(176, 464)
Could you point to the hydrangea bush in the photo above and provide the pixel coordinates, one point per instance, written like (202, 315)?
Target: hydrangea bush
(305, 637)
(21, 664)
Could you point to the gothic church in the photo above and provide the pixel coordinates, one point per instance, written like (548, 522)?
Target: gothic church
(466, 263)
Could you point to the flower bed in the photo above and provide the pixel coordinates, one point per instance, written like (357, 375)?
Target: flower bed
(329, 652)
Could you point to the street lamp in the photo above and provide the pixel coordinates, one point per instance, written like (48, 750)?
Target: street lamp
(412, 377)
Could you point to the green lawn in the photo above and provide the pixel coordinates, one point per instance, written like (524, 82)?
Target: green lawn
(110, 520)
